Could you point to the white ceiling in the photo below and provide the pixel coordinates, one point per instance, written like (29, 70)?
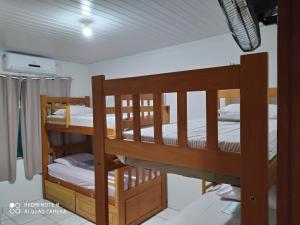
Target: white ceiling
(51, 28)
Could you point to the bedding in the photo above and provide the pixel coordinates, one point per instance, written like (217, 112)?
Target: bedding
(229, 135)
(74, 110)
(84, 178)
(231, 112)
(78, 169)
(81, 160)
(229, 141)
(83, 120)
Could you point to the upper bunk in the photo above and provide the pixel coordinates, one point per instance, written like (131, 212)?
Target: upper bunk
(251, 165)
(74, 115)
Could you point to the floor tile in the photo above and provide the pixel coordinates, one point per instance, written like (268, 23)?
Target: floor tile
(25, 218)
(41, 221)
(155, 221)
(89, 223)
(60, 217)
(167, 214)
(8, 222)
(73, 220)
(3, 217)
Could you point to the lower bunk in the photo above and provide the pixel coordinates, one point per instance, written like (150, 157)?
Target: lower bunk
(134, 194)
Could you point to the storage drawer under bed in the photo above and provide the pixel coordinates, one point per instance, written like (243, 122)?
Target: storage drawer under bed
(85, 207)
(57, 193)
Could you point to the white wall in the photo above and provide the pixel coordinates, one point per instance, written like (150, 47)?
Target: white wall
(215, 51)
(24, 189)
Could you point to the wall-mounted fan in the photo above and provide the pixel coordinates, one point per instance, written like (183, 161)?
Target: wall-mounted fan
(243, 17)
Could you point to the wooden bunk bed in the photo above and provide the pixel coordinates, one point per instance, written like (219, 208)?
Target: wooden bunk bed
(256, 173)
(142, 184)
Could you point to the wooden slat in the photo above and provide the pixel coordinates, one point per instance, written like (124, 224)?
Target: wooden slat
(129, 178)
(148, 103)
(254, 139)
(70, 129)
(142, 97)
(200, 159)
(128, 105)
(101, 184)
(194, 80)
(157, 119)
(118, 116)
(182, 118)
(83, 101)
(128, 109)
(212, 120)
(136, 117)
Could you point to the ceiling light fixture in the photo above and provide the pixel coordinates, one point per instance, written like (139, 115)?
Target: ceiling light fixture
(87, 30)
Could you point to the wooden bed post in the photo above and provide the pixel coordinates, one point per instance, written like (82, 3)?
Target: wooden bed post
(119, 199)
(254, 139)
(101, 185)
(45, 140)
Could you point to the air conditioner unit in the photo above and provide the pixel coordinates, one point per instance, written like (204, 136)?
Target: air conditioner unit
(18, 63)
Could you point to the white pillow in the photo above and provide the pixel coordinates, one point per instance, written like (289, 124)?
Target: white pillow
(75, 110)
(74, 160)
(232, 112)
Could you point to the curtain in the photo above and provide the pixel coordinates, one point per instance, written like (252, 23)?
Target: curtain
(31, 117)
(9, 114)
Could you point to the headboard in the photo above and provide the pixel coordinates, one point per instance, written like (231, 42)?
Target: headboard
(233, 95)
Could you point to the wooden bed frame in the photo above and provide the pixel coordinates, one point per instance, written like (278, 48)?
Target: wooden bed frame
(51, 104)
(230, 97)
(122, 208)
(252, 166)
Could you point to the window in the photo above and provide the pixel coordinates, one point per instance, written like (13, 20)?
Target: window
(20, 147)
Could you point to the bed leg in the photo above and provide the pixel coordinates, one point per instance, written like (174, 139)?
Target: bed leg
(101, 184)
(119, 195)
(254, 139)
(164, 193)
(45, 141)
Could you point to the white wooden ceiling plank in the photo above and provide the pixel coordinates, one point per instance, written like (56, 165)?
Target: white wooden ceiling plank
(138, 15)
(121, 27)
(211, 11)
(48, 25)
(152, 7)
(175, 13)
(191, 13)
(127, 22)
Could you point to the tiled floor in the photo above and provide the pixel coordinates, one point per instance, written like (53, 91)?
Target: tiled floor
(64, 217)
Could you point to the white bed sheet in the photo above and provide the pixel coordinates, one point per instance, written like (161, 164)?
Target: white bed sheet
(78, 176)
(229, 135)
(85, 177)
(83, 120)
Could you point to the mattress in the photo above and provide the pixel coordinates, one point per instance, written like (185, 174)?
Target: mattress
(229, 141)
(228, 135)
(84, 178)
(83, 120)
